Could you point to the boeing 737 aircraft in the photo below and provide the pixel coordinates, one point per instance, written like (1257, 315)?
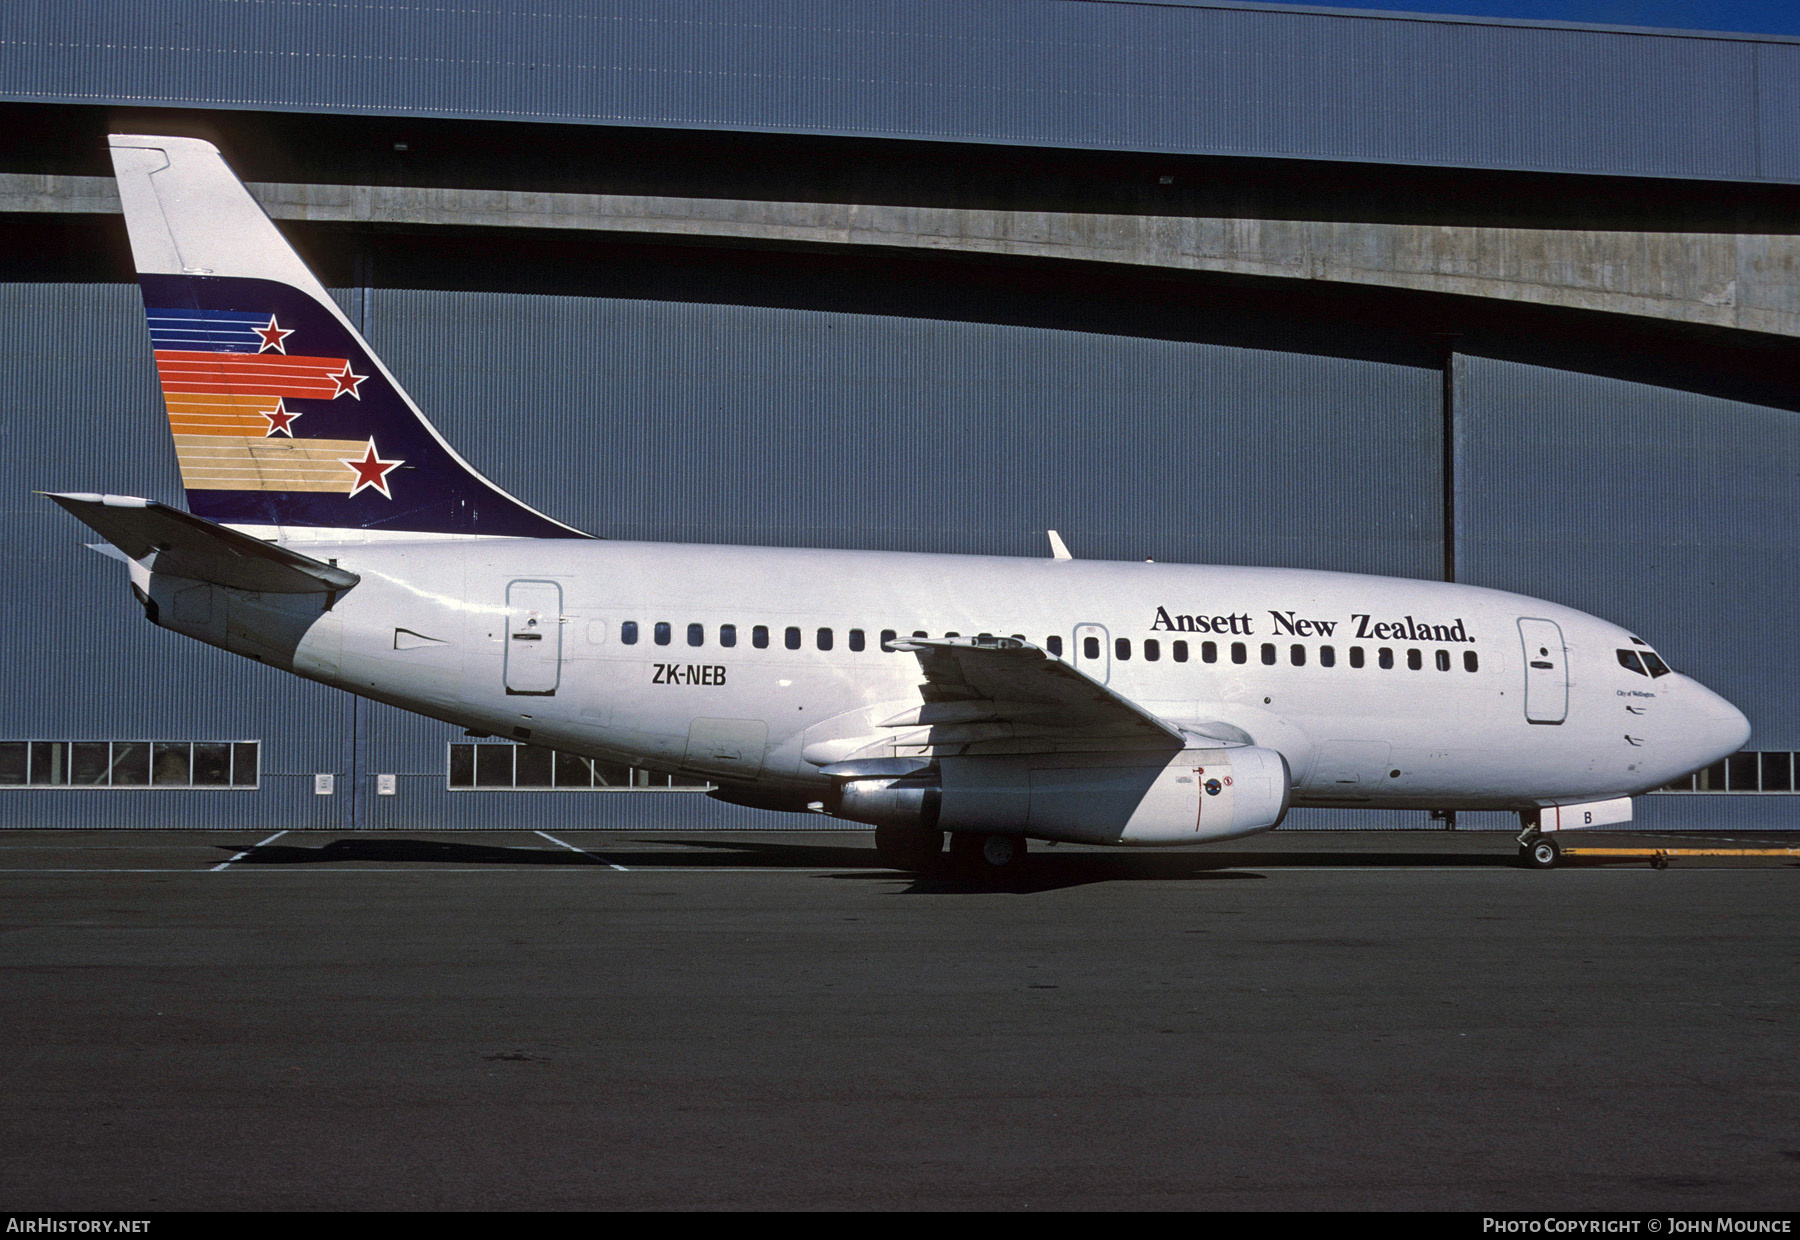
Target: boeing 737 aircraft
(333, 533)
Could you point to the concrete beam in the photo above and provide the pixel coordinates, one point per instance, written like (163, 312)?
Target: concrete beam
(1748, 282)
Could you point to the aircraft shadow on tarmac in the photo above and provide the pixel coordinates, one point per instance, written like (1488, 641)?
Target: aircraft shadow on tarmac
(1046, 869)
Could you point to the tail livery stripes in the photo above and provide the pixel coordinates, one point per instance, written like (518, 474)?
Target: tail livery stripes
(281, 415)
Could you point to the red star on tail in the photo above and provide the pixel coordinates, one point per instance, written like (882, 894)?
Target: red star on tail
(372, 471)
(281, 420)
(347, 382)
(273, 335)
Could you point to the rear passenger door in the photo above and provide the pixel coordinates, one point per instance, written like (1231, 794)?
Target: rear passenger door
(533, 637)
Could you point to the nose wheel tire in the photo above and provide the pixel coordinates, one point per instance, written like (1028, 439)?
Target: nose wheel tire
(989, 857)
(1541, 853)
(909, 848)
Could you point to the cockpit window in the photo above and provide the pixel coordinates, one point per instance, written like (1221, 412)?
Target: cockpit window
(1628, 660)
(1657, 666)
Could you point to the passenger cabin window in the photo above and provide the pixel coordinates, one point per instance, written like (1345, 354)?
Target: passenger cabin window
(1268, 654)
(856, 639)
(1179, 649)
(1152, 650)
(824, 639)
(791, 638)
(696, 635)
(887, 640)
(1327, 656)
(1297, 655)
(1209, 652)
(1239, 653)
(1470, 662)
(1122, 648)
(662, 632)
(1384, 657)
(628, 632)
(759, 637)
(1090, 647)
(728, 635)
(1414, 660)
(1443, 660)
(1054, 645)
(1356, 656)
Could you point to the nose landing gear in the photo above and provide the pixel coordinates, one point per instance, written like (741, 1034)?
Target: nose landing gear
(1540, 853)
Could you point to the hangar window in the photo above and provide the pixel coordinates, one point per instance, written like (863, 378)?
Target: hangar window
(504, 766)
(628, 632)
(1180, 651)
(1470, 662)
(824, 639)
(662, 632)
(857, 640)
(1297, 655)
(728, 635)
(1152, 650)
(1209, 652)
(887, 640)
(1327, 656)
(759, 637)
(1443, 660)
(791, 638)
(130, 764)
(1268, 654)
(1239, 654)
(1384, 657)
(1053, 644)
(1356, 656)
(1122, 648)
(1751, 771)
(696, 634)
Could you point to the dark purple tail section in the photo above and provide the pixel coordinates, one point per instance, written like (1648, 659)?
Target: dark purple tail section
(283, 417)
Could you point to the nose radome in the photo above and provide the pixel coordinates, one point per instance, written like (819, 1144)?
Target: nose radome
(1719, 728)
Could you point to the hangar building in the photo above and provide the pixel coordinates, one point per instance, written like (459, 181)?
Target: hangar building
(1500, 302)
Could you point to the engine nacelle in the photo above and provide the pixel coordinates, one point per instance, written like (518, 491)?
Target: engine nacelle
(1195, 796)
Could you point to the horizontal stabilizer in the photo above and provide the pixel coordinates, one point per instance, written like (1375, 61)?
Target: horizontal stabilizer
(193, 547)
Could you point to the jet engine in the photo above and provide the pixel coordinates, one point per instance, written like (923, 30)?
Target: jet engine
(1192, 797)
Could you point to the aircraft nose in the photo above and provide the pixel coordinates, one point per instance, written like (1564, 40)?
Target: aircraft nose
(1717, 728)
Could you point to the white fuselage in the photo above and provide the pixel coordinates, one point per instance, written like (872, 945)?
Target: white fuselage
(430, 629)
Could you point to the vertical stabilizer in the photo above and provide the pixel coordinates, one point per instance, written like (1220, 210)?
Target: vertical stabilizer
(282, 415)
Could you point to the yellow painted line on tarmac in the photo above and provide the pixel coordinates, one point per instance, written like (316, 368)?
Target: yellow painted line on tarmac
(1681, 852)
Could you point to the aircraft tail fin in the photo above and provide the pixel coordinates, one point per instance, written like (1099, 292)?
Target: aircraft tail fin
(282, 414)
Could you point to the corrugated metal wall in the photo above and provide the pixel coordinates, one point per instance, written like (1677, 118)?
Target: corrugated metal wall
(683, 422)
(1150, 77)
(1670, 513)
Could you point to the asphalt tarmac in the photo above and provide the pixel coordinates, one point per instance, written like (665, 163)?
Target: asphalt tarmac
(642, 1020)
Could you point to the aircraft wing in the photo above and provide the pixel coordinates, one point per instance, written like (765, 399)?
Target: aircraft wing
(984, 689)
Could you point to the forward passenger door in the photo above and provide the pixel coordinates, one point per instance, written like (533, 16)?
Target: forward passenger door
(1546, 671)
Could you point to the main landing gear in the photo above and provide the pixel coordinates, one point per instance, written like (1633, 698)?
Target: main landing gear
(985, 858)
(990, 858)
